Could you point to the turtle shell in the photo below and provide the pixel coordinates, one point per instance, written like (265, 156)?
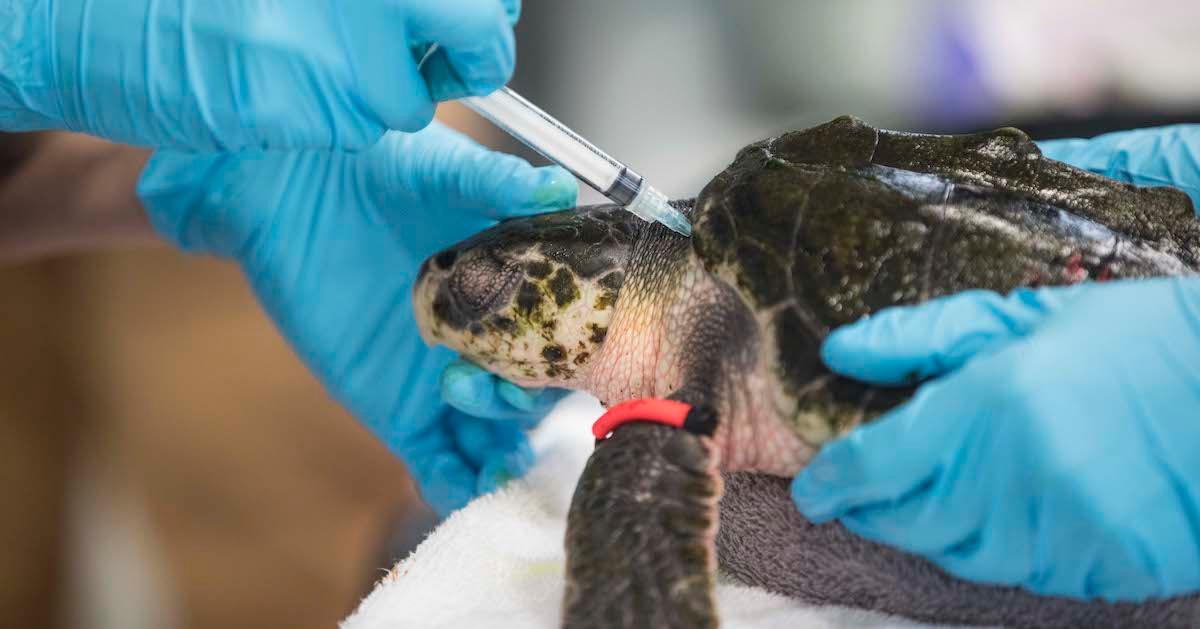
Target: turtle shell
(817, 228)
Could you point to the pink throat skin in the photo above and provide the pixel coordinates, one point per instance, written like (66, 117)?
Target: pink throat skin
(642, 357)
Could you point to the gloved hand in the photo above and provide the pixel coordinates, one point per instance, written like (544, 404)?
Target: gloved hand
(331, 243)
(227, 75)
(1058, 446)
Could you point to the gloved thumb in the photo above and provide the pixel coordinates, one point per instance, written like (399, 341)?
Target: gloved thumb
(444, 168)
(907, 344)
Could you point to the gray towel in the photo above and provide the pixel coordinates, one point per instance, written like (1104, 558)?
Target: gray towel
(764, 541)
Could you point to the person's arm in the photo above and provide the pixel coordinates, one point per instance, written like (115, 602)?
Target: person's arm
(65, 192)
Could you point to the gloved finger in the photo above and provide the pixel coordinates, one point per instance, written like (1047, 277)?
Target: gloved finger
(899, 457)
(477, 51)
(445, 477)
(470, 389)
(447, 169)
(1021, 545)
(478, 393)
(899, 525)
(1163, 156)
(498, 450)
(473, 438)
(1076, 152)
(444, 481)
(1004, 551)
(909, 344)
(953, 513)
(512, 10)
(531, 405)
(386, 77)
(511, 457)
(172, 189)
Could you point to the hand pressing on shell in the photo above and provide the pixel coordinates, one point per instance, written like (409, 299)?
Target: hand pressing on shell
(1056, 446)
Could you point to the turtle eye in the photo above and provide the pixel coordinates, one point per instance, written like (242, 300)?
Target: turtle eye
(478, 282)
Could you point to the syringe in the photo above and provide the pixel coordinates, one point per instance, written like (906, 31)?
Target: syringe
(536, 129)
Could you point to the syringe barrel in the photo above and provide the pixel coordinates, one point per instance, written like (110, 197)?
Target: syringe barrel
(526, 122)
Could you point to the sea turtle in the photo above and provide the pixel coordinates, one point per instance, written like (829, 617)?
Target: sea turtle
(802, 233)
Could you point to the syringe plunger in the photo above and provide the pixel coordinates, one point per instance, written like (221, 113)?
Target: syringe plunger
(523, 120)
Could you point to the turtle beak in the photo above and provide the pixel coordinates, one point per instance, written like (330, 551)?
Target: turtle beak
(425, 290)
(424, 325)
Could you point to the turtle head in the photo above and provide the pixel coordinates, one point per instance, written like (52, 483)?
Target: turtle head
(529, 299)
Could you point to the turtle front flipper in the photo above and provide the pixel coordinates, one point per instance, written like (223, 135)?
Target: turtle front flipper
(641, 531)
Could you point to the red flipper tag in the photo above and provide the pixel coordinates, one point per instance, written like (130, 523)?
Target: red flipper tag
(669, 412)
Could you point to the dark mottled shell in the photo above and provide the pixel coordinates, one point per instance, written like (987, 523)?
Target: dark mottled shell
(817, 228)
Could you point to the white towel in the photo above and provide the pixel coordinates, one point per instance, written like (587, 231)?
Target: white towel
(499, 561)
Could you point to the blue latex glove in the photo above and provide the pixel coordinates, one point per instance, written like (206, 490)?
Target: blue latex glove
(1058, 447)
(232, 74)
(331, 243)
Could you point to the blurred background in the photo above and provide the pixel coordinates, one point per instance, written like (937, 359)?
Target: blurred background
(168, 463)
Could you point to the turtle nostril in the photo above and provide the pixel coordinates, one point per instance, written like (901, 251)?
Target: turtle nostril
(445, 259)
